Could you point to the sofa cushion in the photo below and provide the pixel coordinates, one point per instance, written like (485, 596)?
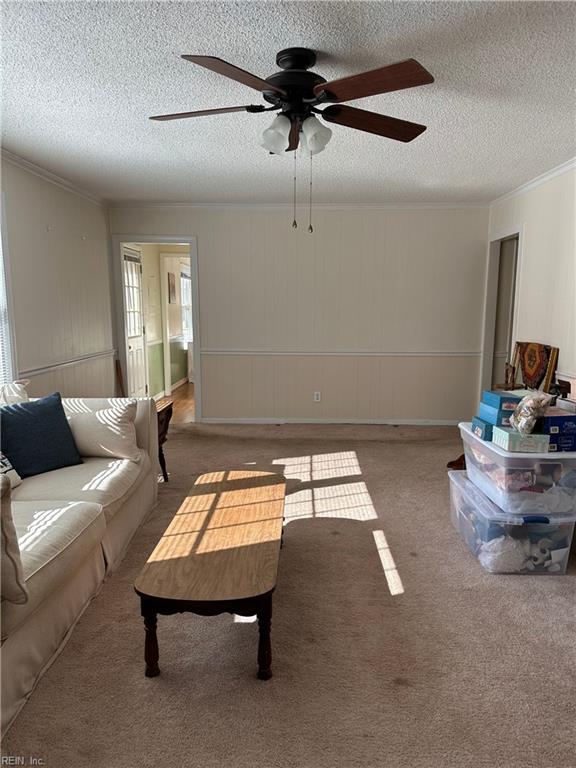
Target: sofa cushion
(54, 538)
(15, 392)
(12, 574)
(104, 481)
(36, 436)
(109, 432)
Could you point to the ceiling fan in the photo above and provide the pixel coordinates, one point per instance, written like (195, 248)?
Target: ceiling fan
(297, 93)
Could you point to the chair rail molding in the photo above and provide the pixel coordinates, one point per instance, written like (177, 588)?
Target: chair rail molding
(338, 353)
(31, 372)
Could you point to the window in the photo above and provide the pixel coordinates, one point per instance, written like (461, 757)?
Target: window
(133, 295)
(186, 305)
(7, 372)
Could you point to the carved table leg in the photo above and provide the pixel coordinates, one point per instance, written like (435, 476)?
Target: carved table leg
(264, 644)
(162, 462)
(151, 654)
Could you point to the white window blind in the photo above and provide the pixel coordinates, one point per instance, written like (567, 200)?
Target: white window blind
(7, 372)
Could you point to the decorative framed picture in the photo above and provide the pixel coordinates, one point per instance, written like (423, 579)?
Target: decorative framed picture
(171, 288)
(536, 364)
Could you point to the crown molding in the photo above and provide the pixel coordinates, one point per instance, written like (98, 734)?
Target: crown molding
(37, 170)
(538, 181)
(124, 204)
(53, 178)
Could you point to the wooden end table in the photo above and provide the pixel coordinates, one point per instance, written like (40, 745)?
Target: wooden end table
(219, 554)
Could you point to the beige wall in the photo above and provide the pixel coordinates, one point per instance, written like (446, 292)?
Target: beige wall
(380, 310)
(171, 265)
(57, 245)
(174, 257)
(546, 307)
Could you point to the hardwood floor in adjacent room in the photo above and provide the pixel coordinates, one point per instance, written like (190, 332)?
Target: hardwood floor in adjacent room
(183, 399)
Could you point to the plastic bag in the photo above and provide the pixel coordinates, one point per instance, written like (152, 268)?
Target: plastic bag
(530, 408)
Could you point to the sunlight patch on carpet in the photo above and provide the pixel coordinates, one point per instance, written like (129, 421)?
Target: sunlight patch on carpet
(321, 466)
(350, 501)
(390, 571)
(244, 619)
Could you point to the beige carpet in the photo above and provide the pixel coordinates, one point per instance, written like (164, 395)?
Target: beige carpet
(462, 669)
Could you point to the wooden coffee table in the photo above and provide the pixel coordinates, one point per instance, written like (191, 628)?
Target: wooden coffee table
(219, 554)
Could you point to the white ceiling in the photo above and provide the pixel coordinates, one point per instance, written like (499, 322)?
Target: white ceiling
(81, 78)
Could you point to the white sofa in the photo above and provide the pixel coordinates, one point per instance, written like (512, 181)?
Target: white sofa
(73, 527)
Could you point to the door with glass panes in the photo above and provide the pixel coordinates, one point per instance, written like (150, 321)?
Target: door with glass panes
(134, 323)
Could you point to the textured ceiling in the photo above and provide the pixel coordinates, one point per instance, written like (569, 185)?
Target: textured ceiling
(81, 78)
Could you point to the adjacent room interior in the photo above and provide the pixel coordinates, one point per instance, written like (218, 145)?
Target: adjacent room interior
(288, 384)
(158, 331)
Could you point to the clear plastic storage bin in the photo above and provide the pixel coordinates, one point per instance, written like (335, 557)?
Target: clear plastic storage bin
(521, 483)
(505, 543)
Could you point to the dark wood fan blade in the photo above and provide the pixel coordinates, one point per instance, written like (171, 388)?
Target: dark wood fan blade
(202, 112)
(395, 77)
(294, 137)
(235, 73)
(381, 125)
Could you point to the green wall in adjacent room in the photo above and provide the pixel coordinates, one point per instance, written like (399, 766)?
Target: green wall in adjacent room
(178, 360)
(156, 368)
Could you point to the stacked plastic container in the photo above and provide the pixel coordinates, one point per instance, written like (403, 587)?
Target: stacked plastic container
(515, 509)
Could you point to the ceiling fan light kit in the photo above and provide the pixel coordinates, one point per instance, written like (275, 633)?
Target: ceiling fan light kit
(297, 94)
(276, 138)
(315, 134)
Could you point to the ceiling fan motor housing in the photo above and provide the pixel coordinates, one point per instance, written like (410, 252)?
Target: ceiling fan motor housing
(296, 81)
(296, 58)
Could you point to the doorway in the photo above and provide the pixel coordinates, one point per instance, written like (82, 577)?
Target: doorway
(505, 301)
(158, 320)
(500, 308)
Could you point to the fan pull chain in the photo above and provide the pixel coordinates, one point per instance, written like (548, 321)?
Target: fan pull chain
(310, 227)
(294, 222)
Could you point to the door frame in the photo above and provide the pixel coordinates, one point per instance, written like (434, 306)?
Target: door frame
(119, 314)
(491, 298)
(134, 249)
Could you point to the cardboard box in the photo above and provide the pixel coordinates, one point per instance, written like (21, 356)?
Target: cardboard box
(522, 392)
(503, 401)
(557, 421)
(481, 428)
(494, 415)
(516, 442)
(562, 443)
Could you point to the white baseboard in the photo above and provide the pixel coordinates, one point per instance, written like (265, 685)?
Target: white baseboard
(179, 383)
(390, 422)
(159, 396)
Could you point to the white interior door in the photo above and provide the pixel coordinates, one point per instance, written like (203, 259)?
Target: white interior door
(137, 371)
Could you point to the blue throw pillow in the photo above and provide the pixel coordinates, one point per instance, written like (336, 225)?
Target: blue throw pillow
(36, 436)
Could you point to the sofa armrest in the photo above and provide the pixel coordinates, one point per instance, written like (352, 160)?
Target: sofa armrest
(146, 422)
(147, 428)
(11, 573)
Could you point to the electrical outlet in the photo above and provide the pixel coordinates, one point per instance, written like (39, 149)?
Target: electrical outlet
(317, 397)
